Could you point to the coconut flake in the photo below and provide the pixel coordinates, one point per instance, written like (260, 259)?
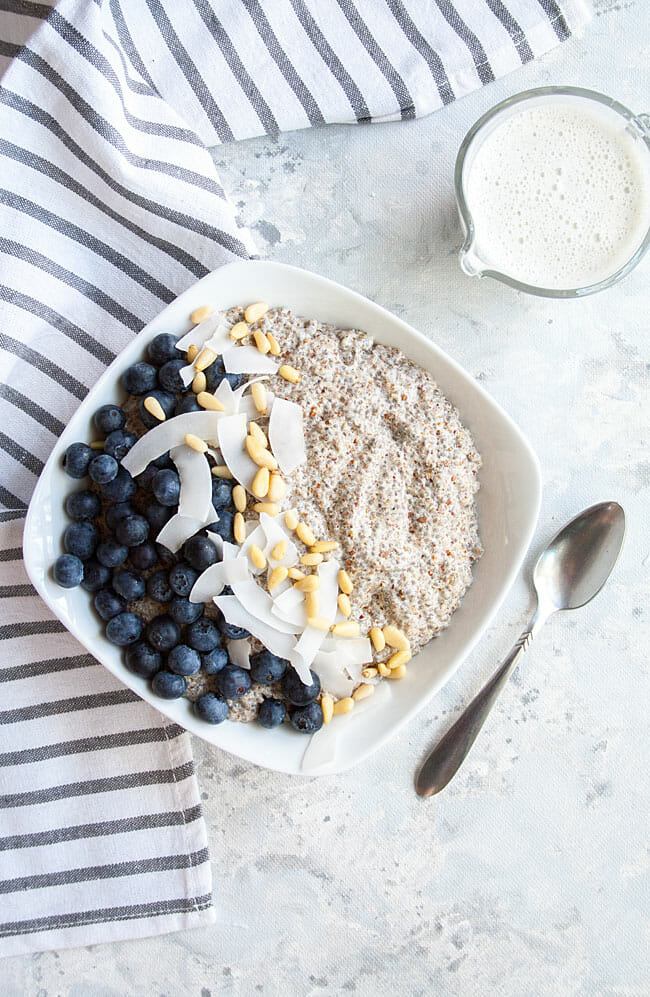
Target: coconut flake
(232, 436)
(289, 606)
(239, 652)
(274, 533)
(333, 678)
(256, 536)
(186, 374)
(286, 435)
(273, 639)
(177, 530)
(211, 582)
(196, 483)
(216, 539)
(352, 650)
(311, 639)
(258, 603)
(168, 434)
(220, 341)
(248, 360)
(199, 334)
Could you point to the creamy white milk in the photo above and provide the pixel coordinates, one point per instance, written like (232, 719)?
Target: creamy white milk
(560, 196)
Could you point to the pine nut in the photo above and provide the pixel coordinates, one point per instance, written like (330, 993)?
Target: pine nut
(348, 629)
(239, 330)
(291, 519)
(377, 638)
(344, 604)
(383, 669)
(275, 346)
(277, 488)
(311, 560)
(192, 353)
(196, 443)
(205, 358)
(200, 313)
(318, 622)
(323, 546)
(276, 577)
(96, 444)
(312, 605)
(261, 342)
(261, 456)
(208, 401)
(279, 551)
(258, 434)
(397, 673)
(343, 706)
(304, 533)
(258, 394)
(239, 498)
(239, 528)
(311, 583)
(254, 312)
(154, 408)
(295, 574)
(398, 659)
(369, 673)
(363, 691)
(289, 373)
(327, 706)
(222, 471)
(257, 557)
(199, 382)
(395, 638)
(260, 484)
(270, 508)
(345, 582)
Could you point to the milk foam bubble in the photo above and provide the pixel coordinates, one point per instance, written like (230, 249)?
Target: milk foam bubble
(559, 195)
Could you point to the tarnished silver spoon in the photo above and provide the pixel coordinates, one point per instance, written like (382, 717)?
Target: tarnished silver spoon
(568, 574)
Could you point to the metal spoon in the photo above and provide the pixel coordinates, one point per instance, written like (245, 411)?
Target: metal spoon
(568, 574)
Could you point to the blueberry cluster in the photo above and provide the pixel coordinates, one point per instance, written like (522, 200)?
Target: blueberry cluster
(110, 551)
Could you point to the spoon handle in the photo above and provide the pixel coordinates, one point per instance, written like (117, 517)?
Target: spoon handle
(444, 760)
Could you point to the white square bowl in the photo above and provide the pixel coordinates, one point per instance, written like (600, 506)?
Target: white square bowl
(508, 505)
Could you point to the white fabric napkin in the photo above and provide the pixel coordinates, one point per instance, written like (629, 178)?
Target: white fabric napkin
(109, 207)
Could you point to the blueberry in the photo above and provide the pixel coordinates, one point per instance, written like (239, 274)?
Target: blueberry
(200, 552)
(116, 512)
(187, 404)
(158, 586)
(271, 714)
(183, 660)
(267, 667)
(144, 479)
(167, 403)
(108, 604)
(169, 376)
(221, 494)
(183, 611)
(118, 443)
(76, 460)
(111, 554)
(81, 539)
(307, 719)
(166, 487)
(224, 526)
(214, 375)
(108, 418)
(162, 348)
(132, 530)
(82, 505)
(168, 686)
(232, 632)
(141, 659)
(232, 682)
(143, 556)
(164, 460)
(166, 556)
(211, 708)
(163, 633)
(213, 661)
(139, 378)
(182, 578)
(103, 468)
(203, 635)
(129, 584)
(121, 488)
(234, 380)
(68, 571)
(96, 576)
(157, 515)
(297, 693)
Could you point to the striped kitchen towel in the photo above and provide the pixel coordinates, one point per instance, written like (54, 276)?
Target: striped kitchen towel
(109, 207)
